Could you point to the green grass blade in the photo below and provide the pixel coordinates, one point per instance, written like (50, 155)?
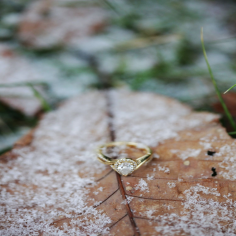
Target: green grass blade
(23, 84)
(232, 132)
(229, 89)
(37, 94)
(112, 6)
(215, 85)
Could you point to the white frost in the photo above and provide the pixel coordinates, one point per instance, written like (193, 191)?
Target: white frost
(142, 185)
(187, 153)
(200, 215)
(171, 184)
(43, 185)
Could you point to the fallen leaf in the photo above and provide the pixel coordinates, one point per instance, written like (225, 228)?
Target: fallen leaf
(16, 69)
(55, 185)
(230, 101)
(48, 23)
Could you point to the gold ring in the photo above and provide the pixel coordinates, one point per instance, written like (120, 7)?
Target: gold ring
(124, 166)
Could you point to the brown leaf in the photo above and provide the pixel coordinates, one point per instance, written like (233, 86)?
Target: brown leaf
(48, 23)
(16, 69)
(56, 185)
(230, 101)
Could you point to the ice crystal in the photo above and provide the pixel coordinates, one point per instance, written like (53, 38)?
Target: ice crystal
(171, 184)
(163, 168)
(142, 185)
(129, 199)
(187, 153)
(228, 165)
(150, 177)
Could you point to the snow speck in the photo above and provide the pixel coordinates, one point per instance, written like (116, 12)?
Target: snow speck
(163, 168)
(150, 177)
(187, 153)
(171, 184)
(142, 185)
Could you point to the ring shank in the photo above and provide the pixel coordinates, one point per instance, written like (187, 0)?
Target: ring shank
(110, 161)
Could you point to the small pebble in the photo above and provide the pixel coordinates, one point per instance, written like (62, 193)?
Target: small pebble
(186, 163)
(128, 188)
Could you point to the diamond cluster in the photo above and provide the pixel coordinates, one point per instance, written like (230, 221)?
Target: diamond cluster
(125, 166)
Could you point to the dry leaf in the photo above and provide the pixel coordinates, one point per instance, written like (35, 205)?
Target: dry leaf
(49, 23)
(230, 101)
(16, 69)
(54, 185)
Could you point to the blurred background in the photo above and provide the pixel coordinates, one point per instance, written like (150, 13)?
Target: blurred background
(51, 50)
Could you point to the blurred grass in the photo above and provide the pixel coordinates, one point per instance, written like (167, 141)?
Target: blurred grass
(229, 89)
(231, 120)
(45, 105)
(164, 30)
(11, 119)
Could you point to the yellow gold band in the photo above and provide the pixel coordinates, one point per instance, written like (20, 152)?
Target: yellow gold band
(124, 166)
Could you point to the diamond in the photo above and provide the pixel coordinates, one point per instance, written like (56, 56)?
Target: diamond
(125, 166)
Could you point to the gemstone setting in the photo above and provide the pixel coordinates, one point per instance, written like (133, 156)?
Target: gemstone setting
(124, 166)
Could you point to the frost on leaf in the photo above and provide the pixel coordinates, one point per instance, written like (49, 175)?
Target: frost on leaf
(53, 184)
(228, 165)
(17, 69)
(142, 185)
(47, 23)
(171, 184)
(163, 168)
(42, 186)
(201, 215)
(186, 154)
